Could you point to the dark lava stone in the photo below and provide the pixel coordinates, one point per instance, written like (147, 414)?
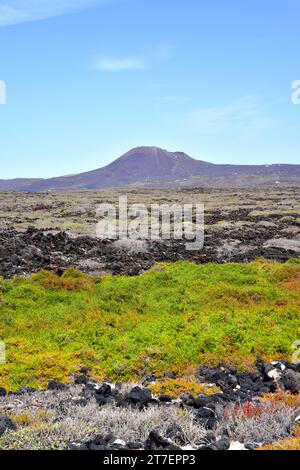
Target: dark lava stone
(263, 369)
(165, 398)
(230, 381)
(78, 446)
(90, 387)
(232, 370)
(84, 370)
(176, 434)
(288, 365)
(134, 445)
(291, 381)
(206, 417)
(98, 443)
(213, 375)
(54, 385)
(6, 424)
(206, 447)
(155, 441)
(110, 438)
(203, 401)
(101, 399)
(138, 395)
(2, 392)
(251, 445)
(104, 390)
(188, 400)
(220, 398)
(81, 379)
(222, 444)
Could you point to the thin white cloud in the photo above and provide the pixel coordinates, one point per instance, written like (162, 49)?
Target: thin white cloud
(21, 11)
(244, 113)
(145, 61)
(121, 63)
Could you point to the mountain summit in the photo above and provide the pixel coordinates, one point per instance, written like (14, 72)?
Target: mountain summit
(148, 163)
(153, 166)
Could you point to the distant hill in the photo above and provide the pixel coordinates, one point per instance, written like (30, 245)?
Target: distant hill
(152, 166)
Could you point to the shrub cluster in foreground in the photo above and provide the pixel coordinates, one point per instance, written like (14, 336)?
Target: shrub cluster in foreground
(171, 318)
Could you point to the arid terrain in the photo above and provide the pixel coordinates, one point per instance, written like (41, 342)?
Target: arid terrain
(58, 230)
(165, 356)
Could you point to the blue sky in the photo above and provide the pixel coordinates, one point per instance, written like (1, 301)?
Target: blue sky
(89, 79)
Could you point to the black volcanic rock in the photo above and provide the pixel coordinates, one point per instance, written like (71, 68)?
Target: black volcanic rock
(291, 381)
(139, 396)
(6, 424)
(57, 386)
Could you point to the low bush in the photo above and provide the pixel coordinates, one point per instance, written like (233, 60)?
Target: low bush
(172, 318)
(180, 386)
(286, 444)
(256, 424)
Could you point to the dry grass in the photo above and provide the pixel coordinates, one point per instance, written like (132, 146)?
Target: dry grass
(49, 420)
(261, 424)
(52, 420)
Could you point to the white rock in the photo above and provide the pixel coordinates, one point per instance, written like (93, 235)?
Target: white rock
(97, 386)
(76, 444)
(278, 363)
(119, 442)
(188, 447)
(274, 374)
(176, 400)
(111, 385)
(235, 445)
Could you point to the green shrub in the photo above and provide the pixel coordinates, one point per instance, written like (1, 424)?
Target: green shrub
(173, 317)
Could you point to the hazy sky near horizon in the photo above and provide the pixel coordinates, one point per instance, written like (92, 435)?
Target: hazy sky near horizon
(87, 80)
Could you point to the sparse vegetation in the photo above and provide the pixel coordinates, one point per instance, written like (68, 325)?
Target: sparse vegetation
(257, 424)
(63, 422)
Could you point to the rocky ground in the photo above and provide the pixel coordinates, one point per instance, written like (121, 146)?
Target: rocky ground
(250, 411)
(55, 232)
(22, 253)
